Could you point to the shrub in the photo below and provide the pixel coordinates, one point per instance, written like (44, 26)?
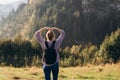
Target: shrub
(110, 48)
(19, 52)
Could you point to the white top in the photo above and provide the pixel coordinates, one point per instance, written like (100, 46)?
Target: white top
(59, 40)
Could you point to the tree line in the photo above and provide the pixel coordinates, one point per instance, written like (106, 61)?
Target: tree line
(20, 52)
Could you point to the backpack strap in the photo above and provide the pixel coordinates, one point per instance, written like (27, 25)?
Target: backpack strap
(46, 44)
(53, 44)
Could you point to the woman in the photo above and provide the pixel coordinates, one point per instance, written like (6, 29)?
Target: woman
(50, 38)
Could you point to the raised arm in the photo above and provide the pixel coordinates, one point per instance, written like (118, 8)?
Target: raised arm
(61, 36)
(39, 36)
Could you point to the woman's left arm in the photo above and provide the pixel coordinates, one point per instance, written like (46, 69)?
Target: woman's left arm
(39, 37)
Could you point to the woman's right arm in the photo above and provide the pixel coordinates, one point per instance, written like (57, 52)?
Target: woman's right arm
(61, 36)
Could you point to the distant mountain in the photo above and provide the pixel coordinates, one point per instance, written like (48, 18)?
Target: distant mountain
(6, 8)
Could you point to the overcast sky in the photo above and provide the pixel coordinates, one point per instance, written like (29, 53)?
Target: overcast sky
(9, 1)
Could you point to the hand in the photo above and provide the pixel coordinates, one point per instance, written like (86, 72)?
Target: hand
(47, 28)
(55, 28)
(43, 29)
(51, 29)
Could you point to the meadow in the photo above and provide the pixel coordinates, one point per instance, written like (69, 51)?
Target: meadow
(89, 72)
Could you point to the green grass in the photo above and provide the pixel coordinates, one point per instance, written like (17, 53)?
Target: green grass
(106, 72)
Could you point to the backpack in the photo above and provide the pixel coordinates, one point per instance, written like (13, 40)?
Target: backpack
(50, 54)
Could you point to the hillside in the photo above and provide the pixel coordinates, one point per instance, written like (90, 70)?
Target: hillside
(101, 72)
(83, 20)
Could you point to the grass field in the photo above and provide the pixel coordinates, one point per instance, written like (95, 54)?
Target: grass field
(106, 72)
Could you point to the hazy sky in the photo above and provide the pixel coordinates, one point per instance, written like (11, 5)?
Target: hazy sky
(9, 1)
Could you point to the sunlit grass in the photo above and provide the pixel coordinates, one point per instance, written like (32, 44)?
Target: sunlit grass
(102, 72)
